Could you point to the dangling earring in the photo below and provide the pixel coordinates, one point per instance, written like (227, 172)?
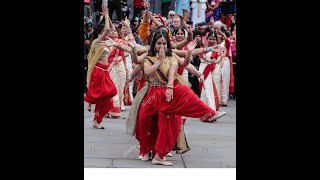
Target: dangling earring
(155, 50)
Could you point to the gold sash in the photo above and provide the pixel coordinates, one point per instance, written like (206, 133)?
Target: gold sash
(96, 51)
(133, 114)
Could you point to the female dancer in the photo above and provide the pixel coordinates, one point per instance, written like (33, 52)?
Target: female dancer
(160, 69)
(227, 78)
(100, 87)
(118, 73)
(208, 88)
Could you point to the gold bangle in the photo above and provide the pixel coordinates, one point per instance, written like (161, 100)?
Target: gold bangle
(170, 86)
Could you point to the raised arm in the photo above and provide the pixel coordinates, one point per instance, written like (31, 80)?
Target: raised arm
(155, 20)
(227, 40)
(180, 45)
(134, 53)
(109, 42)
(137, 59)
(184, 62)
(142, 57)
(141, 49)
(107, 25)
(144, 27)
(197, 51)
(126, 45)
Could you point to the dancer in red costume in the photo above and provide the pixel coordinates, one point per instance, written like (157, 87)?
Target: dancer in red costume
(100, 87)
(160, 69)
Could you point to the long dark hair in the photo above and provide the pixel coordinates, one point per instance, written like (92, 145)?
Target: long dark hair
(159, 34)
(194, 34)
(150, 36)
(97, 29)
(179, 28)
(163, 26)
(176, 31)
(154, 31)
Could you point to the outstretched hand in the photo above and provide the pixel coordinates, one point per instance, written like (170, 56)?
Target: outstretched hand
(201, 78)
(192, 45)
(126, 23)
(109, 42)
(105, 10)
(146, 4)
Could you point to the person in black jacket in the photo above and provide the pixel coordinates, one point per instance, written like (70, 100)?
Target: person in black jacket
(115, 5)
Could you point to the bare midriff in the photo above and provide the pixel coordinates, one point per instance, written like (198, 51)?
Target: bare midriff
(104, 60)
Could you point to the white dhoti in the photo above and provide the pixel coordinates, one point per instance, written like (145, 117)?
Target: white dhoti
(225, 75)
(118, 76)
(207, 92)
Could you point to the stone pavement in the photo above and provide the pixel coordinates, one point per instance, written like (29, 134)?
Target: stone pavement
(213, 145)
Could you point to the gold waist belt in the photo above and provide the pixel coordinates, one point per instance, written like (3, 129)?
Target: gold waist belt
(157, 84)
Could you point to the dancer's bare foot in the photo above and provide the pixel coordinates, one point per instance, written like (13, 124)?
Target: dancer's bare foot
(218, 115)
(145, 157)
(111, 116)
(157, 160)
(96, 125)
